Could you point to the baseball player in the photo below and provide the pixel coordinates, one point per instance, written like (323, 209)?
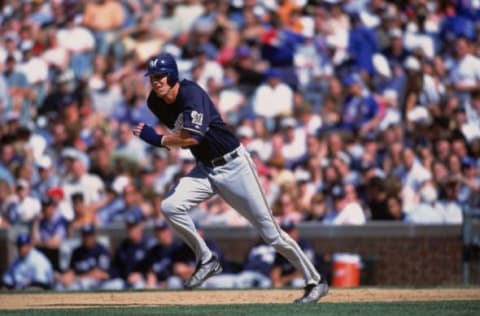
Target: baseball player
(128, 265)
(223, 167)
(89, 264)
(31, 269)
(159, 259)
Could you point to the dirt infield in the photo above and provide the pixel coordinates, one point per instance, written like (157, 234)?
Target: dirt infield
(200, 297)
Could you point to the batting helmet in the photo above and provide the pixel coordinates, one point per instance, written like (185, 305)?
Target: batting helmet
(163, 64)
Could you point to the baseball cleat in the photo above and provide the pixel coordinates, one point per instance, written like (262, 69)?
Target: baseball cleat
(314, 292)
(202, 272)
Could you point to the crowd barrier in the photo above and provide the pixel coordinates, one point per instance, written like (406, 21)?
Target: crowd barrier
(389, 253)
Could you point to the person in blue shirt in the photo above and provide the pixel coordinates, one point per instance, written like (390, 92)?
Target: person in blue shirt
(89, 264)
(278, 46)
(30, 270)
(360, 111)
(362, 45)
(50, 231)
(222, 167)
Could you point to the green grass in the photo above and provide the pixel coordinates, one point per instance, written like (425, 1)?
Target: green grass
(454, 308)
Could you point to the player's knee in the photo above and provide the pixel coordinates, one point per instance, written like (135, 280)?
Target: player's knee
(277, 242)
(168, 207)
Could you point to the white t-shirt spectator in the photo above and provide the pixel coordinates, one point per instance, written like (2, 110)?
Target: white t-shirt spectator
(35, 69)
(211, 71)
(297, 147)
(76, 39)
(90, 185)
(465, 71)
(271, 101)
(450, 211)
(28, 209)
(351, 214)
(425, 213)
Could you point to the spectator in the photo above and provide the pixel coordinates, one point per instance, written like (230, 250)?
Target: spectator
(89, 264)
(104, 18)
(395, 52)
(272, 98)
(294, 141)
(79, 42)
(469, 192)
(8, 203)
(287, 207)
(82, 214)
(277, 46)
(464, 75)
(19, 92)
(49, 231)
(113, 205)
(47, 177)
(129, 146)
(346, 211)
(427, 211)
(78, 179)
(394, 208)
(360, 113)
(449, 206)
(414, 175)
(28, 207)
(85, 85)
(31, 270)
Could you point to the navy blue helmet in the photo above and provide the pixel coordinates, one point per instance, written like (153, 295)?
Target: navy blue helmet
(163, 64)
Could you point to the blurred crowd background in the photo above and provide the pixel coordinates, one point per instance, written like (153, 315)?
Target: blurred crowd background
(353, 111)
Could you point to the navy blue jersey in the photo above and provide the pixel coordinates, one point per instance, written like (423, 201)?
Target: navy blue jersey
(286, 267)
(159, 260)
(129, 258)
(194, 111)
(260, 259)
(86, 259)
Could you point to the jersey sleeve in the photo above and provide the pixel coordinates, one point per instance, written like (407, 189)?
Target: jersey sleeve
(196, 115)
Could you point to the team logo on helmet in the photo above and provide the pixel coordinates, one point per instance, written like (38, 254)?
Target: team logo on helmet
(153, 63)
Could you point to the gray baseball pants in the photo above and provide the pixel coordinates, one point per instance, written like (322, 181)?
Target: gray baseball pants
(238, 184)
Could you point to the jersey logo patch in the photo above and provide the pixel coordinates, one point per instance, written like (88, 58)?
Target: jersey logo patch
(197, 118)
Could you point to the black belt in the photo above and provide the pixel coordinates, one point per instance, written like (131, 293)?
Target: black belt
(220, 161)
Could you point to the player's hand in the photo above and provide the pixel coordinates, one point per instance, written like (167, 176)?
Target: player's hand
(138, 129)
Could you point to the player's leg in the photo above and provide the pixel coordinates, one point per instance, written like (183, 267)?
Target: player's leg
(238, 184)
(188, 192)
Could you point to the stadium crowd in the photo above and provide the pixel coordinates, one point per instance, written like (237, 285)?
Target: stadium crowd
(353, 111)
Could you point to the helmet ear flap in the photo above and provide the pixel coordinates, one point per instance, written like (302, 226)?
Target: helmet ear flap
(172, 79)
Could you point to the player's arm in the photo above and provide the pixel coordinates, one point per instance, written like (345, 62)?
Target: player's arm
(180, 138)
(96, 273)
